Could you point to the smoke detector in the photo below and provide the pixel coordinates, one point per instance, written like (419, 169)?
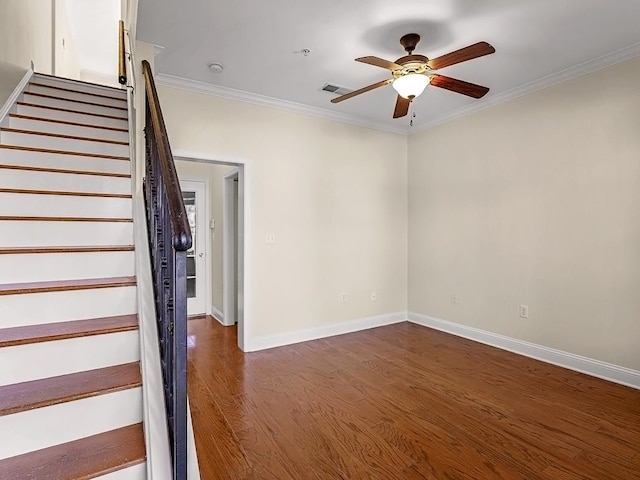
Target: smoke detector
(216, 67)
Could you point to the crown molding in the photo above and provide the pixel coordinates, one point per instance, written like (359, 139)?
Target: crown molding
(585, 68)
(262, 100)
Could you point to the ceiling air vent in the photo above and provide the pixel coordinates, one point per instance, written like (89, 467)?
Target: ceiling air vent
(338, 90)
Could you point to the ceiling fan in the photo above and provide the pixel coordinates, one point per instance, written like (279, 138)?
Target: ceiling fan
(412, 73)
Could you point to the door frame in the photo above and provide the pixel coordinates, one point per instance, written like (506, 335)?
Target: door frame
(207, 243)
(230, 245)
(244, 210)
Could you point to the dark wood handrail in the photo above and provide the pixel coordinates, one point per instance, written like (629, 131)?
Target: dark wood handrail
(179, 222)
(122, 68)
(169, 240)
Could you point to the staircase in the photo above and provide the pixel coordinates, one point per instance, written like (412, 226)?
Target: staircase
(70, 384)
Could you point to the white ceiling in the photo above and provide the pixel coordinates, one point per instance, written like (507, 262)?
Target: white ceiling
(535, 41)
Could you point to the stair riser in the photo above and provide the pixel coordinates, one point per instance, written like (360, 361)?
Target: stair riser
(61, 205)
(67, 356)
(48, 426)
(137, 472)
(80, 87)
(66, 144)
(65, 266)
(20, 233)
(52, 307)
(68, 162)
(81, 107)
(75, 95)
(64, 129)
(71, 117)
(64, 181)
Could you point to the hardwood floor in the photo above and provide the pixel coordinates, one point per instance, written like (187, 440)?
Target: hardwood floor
(402, 402)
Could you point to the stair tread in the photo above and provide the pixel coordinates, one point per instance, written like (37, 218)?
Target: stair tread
(44, 392)
(27, 104)
(81, 459)
(65, 122)
(64, 170)
(66, 249)
(10, 337)
(73, 100)
(27, 191)
(25, 218)
(64, 152)
(60, 135)
(44, 85)
(65, 285)
(81, 82)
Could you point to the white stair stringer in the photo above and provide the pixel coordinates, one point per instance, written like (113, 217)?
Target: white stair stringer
(47, 426)
(53, 307)
(67, 356)
(46, 267)
(67, 128)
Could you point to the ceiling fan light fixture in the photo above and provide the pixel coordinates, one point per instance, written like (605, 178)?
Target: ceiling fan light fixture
(411, 85)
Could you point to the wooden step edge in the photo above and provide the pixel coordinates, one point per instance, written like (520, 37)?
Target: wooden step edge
(27, 334)
(45, 392)
(60, 135)
(82, 82)
(72, 100)
(70, 90)
(27, 104)
(73, 249)
(82, 459)
(66, 122)
(64, 170)
(64, 152)
(66, 285)
(26, 191)
(31, 218)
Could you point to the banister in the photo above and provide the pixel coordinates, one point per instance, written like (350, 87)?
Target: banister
(122, 69)
(182, 240)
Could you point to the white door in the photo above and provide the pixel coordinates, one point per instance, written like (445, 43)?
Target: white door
(194, 194)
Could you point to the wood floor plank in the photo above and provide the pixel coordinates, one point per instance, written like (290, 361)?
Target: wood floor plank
(48, 332)
(407, 402)
(81, 459)
(25, 396)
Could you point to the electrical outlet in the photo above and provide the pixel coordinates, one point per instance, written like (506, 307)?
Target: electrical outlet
(524, 311)
(374, 296)
(270, 238)
(343, 297)
(454, 299)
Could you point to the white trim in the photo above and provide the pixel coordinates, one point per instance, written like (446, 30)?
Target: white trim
(585, 68)
(218, 315)
(154, 413)
(576, 71)
(589, 366)
(15, 95)
(244, 323)
(230, 246)
(264, 101)
(272, 341)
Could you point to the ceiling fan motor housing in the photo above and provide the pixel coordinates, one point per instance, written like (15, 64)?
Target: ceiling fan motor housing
(409, 42)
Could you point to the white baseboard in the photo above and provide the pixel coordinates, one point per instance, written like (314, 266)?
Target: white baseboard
(13, 98)
(218, 315)
(589, 366)
(272, 341)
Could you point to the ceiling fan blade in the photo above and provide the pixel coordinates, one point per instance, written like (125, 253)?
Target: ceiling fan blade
(379, 62)
(476, 50)
(349, 95)
(402, 107)
(458, 86)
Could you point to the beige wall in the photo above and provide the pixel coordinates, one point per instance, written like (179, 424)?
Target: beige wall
(214, 174)
(535, 201)
(333, 194)
(26, 32)
(66, 61)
